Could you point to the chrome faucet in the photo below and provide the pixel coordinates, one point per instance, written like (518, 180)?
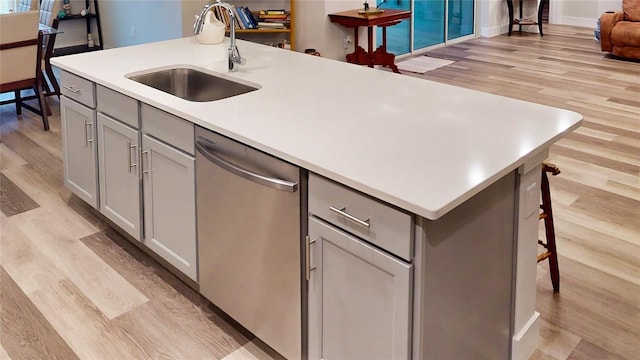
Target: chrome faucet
(234, 55)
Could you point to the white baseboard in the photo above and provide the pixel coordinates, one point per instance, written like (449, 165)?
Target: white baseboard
(577, 21)
(525, 342)
(503, 29)
(491, 31)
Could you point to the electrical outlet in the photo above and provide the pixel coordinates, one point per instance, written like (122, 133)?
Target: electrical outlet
(132, 32)
(347, 42)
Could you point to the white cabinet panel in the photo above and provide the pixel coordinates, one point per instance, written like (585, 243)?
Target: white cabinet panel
(79, 149)
(118, 106)
(77, 88)
(169, 204)
(119, 174)
(170, 128)
(359, 298)
(384, 226)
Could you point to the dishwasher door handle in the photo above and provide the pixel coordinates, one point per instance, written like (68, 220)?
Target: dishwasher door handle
(205, 149)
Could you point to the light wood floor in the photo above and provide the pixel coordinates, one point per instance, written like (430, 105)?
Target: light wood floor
(72, 288)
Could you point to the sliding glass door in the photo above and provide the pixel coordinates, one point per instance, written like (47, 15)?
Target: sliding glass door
(398, 36)
(460, 18)
(434, 22)
(428, 23)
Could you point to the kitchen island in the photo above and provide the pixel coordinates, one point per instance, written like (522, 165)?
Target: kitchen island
(463, 164)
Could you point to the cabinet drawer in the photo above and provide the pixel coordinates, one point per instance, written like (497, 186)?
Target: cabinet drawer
(78, 89)
(168, 128)
(118, 106)
(370, 219)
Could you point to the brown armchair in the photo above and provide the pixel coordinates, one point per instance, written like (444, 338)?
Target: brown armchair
(620, 31)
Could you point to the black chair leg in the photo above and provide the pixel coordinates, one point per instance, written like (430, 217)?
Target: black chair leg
(18, 102)
(52, 79)
(41, 102)
(45, 84)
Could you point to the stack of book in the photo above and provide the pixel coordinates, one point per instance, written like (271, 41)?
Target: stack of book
(273, 19)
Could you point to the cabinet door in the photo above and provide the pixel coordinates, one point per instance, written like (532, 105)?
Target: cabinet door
(79, 149)
(119, 175)
(169, 204)
(359, 298)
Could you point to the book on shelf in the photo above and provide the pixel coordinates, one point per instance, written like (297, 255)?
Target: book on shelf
(242, 17)
(241, 22)
(271, 25)
(222, 15)
(273, 12)
(250, 18)
(274, 16)
(239, 25)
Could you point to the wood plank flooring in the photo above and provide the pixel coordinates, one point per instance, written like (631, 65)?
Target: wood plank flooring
(596, 198)
(73, 288)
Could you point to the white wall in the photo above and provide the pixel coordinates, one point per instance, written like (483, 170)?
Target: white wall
(315, 30)
(580, 13)
(493, 17)
(8, 5)
(140, 21)
(126, 22)
(190, 8)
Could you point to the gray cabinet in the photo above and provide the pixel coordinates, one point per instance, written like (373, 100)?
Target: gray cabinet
(104, 151)
(79, 150)
(359, 295)
(168, 178)
(118, 146)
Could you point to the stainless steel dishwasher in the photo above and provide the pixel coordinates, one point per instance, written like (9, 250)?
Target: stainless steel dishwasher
(249, 236)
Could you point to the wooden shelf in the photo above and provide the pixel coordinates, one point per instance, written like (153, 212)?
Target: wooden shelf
(531, 22)
(76, 16)
(273, 31)
(90, 18)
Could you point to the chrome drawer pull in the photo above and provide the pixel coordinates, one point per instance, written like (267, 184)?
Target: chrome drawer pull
(341, 211)
(88, 129)
(144, 154)
(70, 88)
(129, 148)
(307, 254)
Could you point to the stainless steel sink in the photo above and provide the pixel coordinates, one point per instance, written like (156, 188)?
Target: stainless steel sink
(193, 85)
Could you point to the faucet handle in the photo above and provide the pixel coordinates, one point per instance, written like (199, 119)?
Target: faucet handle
(234, 54)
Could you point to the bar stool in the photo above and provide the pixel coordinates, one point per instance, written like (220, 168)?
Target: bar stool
(547, 215)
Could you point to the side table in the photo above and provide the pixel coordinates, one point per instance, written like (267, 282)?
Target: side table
(353, 19)
(512, 22)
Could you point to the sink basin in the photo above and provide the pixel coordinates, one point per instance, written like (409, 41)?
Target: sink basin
(193, 85)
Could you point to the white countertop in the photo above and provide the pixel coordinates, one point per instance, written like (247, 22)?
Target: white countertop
(423, 146)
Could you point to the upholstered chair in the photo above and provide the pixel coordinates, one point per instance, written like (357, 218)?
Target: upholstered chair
(49, 16)
(620, 30)
(20, 59)
(27, 5)
(49, 11)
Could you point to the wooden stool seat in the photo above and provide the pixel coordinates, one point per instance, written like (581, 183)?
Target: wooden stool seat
(547, 216)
